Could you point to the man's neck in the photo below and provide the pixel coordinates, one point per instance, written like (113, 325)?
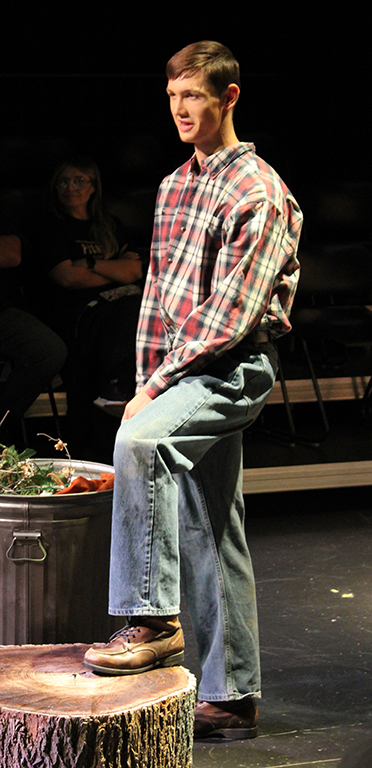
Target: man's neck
(210, 148)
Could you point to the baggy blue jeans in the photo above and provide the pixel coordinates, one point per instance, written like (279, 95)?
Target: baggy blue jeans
(178, 514)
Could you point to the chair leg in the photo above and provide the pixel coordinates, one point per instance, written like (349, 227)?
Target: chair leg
(54, 410)
(294, 436)
(317, 392)
(366, 401)
(287, 405)
(24, 432)
(279, 435)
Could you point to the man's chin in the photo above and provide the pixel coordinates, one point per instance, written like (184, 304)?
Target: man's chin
(185, 137)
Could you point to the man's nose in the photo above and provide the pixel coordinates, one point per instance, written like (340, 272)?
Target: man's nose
(179, 107)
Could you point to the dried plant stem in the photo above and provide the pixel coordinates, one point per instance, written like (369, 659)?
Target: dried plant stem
(59, 445)
(4, 417)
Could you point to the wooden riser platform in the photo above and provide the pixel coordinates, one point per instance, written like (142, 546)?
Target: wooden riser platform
(342, 474)
(299, 391)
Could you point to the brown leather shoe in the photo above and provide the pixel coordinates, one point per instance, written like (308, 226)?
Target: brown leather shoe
(153, 642)
(231, 720)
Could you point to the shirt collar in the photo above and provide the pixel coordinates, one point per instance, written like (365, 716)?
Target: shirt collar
(217, 162)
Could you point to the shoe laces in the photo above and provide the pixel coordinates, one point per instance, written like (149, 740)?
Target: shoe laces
(128, 632)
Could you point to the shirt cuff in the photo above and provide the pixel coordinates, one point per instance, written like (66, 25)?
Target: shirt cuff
(155, 386)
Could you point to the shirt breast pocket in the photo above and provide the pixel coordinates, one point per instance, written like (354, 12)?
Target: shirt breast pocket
(165, 215)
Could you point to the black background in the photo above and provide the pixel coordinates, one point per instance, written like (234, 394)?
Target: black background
(89, 78)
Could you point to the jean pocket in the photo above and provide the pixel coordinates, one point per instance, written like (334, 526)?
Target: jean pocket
(258, 381)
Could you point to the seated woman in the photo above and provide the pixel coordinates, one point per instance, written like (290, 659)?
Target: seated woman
(33, 352)
(87, 291)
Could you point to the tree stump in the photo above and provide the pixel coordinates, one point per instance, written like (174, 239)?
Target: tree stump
(55, 713)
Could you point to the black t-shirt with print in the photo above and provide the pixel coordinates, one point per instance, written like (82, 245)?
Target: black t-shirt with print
(56, 240)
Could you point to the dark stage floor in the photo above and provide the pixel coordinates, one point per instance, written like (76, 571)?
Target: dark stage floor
(312, 557)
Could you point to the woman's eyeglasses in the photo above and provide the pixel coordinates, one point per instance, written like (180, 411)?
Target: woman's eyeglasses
(79, 182)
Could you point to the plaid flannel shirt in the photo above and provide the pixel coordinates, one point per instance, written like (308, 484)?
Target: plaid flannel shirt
(223, 261)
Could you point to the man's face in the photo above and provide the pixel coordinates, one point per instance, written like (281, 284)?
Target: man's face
(197, 112)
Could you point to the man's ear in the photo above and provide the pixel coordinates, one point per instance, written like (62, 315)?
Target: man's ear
(231, 95)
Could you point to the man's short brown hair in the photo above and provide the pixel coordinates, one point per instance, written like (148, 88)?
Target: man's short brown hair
(213, 59)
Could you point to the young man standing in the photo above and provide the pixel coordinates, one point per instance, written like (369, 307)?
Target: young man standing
(220, 288)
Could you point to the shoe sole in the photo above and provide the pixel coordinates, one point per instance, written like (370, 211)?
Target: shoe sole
(229, 734)
(169, 661)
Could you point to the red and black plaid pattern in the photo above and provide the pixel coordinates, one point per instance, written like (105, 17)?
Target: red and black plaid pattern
(223, 261)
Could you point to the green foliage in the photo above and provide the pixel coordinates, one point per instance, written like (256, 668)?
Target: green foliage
(21, 476)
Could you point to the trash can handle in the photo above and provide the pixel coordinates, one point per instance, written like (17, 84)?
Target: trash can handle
(27, 538)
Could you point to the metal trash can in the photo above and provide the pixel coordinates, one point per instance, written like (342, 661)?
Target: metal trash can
(54, 564)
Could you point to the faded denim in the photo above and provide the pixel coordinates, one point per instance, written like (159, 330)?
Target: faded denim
(179, 514)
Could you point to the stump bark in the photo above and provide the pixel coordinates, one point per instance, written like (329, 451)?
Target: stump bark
(55, 713)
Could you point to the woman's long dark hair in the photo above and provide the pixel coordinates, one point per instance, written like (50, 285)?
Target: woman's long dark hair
(102, 225)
